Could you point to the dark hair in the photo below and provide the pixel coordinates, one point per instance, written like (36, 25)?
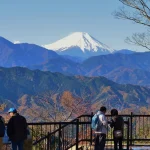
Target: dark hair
(114, 112)
(15, 111)
(103, 109)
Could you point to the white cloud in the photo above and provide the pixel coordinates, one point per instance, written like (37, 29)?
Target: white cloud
(17, 42)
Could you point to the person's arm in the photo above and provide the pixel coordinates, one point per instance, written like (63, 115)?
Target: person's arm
(2, 119)
(25, 126)
(10, 127)
(103, 120)
(112, 123)
(122, 123)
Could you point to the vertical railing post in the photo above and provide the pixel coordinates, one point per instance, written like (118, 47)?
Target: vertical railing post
(59, 142)
(91, 139)
(131, 127)
(128, 134)
(77, 133)
(48, 141)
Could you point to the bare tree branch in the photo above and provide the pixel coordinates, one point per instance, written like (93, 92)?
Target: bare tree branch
(140, 39)
(138, 12)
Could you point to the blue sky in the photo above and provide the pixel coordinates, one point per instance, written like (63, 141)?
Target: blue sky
(45, 21)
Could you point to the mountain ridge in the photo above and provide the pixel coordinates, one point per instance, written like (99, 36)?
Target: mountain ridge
(18, 81)
(23, 54)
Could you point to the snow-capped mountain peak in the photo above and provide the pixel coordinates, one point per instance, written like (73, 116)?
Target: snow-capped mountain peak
(79, 40)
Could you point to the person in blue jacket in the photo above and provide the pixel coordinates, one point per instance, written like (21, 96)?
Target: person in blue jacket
(101, 132)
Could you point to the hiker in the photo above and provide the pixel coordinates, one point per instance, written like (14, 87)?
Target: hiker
(101, 131)
(117, 123)
(2, 130)
(16, 129)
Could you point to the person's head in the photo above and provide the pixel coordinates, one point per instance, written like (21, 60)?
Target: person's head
(12, 111)
(114, 112)
(103, 109)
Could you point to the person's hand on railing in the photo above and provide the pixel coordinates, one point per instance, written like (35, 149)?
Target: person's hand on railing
(111, 123)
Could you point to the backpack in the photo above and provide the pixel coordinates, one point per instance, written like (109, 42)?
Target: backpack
(95, 123)
(2, 127)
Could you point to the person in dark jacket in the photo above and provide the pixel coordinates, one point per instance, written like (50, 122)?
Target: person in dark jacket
(2, 130)
(16, 129)
(117, 123)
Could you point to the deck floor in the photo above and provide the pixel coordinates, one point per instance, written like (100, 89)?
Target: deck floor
(133, 148)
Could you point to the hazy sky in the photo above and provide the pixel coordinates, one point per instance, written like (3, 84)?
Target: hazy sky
(45, 21)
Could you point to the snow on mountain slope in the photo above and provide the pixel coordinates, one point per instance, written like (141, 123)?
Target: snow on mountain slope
(79, 40)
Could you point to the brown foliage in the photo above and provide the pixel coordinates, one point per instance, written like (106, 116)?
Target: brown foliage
(56, 107)
(2, 107)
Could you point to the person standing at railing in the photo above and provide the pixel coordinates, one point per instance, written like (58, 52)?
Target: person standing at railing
(117, 123)
(2, 130)
(16, 129)
(101, 131)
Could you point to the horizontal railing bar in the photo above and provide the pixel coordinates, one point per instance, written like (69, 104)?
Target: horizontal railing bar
(43, 138)
(140, 139)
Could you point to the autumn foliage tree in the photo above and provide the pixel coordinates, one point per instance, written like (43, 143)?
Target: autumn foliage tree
(57, 107)
(74, 105)
(2, 107)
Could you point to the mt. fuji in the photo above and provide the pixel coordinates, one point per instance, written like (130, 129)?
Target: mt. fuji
(79, 44)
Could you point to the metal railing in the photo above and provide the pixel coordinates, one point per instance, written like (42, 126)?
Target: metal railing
(78, 133)
(139, 130)
(68, 134)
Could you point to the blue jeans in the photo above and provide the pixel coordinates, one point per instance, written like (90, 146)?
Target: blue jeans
(18, 145)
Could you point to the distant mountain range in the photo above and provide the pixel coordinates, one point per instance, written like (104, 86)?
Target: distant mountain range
(17, 82)
(124, 66)
(80, 75)
(130, 76)
(23, 54)
(124, 51)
